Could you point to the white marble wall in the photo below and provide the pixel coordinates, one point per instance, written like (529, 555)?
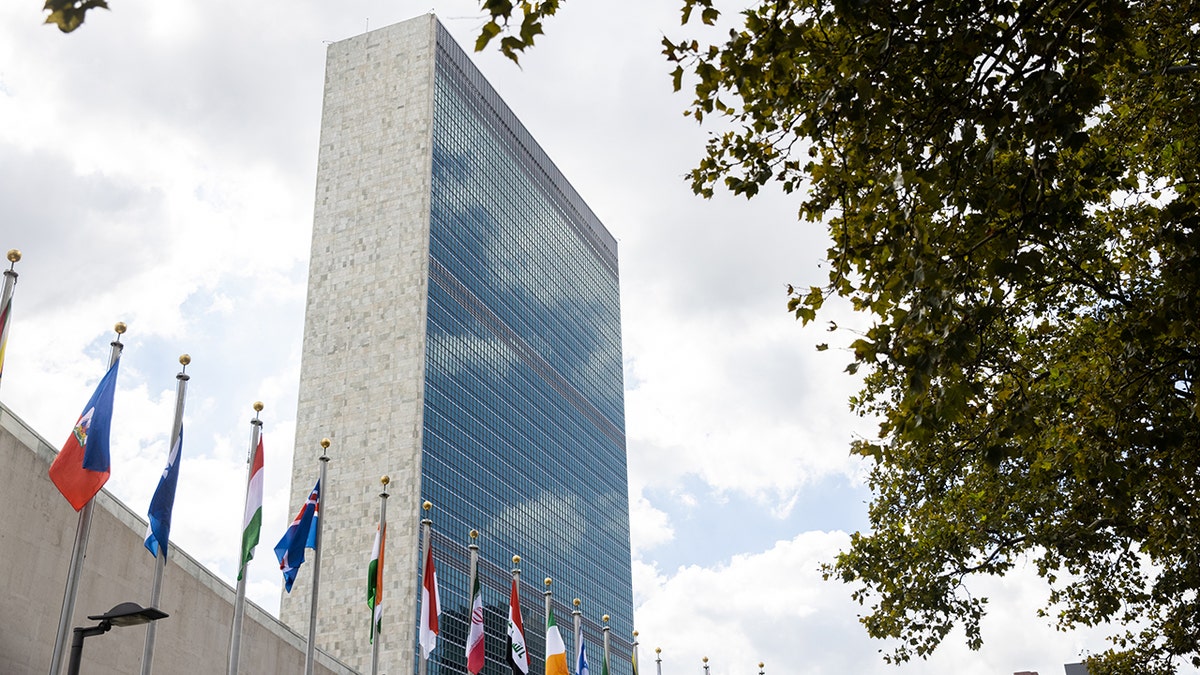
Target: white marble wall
(361, 382)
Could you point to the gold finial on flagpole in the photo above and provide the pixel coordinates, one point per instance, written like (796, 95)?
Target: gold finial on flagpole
(13, 257)
(474, 534)
(120, 328)
(258, 406)
(576, 602)
(184, 360)
(548, 582)
(516, 560)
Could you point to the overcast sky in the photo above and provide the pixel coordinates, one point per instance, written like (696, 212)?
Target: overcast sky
(157, 168)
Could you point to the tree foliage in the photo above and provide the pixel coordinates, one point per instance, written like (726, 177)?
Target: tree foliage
(69, 14)
(1012, 192)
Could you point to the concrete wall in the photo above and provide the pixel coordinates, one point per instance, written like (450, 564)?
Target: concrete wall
(37, 532)
(362, 369)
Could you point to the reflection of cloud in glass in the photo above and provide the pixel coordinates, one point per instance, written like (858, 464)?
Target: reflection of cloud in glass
(549, 523)
(471, 350)
(520, 268)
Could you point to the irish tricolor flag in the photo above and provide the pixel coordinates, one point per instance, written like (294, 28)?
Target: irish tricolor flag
(556, 651)
(252, 519)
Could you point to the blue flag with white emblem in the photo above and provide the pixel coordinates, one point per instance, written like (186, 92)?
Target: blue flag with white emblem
(159, 529)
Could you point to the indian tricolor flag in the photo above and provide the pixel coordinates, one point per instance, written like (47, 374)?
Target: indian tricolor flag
(556, 651)
(252, 518)
(375, 581)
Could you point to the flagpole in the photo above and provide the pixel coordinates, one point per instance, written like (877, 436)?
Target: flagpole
(474, 564)
(635, 653)
(10, 280)
(577, 615)
(760, 669)
(82, 530)
(658, 658)
(549, 594)
(160, 561)
(239, 602)
(472, 580)
(310, 652)
(426, 529)
(705, 659)
(382, 542)
(605, 669)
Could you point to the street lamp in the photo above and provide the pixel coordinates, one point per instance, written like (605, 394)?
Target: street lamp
(124, 614)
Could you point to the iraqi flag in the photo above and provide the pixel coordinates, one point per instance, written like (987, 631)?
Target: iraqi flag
(430, 605)
(82, 466)
(518, 657)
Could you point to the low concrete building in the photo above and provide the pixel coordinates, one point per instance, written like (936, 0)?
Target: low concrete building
(37, 532)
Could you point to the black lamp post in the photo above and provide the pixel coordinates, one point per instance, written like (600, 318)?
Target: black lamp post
(124, 614)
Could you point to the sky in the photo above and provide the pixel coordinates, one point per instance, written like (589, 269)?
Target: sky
(157, 168)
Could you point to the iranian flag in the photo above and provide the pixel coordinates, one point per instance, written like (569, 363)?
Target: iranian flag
(430, 605)
(475, 657)
(375, 582)
(252, 518)
(518, 658)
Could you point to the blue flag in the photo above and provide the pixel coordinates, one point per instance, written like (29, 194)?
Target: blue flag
(301, 534)
(582, 668)
(159, 530)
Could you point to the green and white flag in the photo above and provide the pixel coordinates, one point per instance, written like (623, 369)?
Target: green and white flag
(252, 519)
(375, 582)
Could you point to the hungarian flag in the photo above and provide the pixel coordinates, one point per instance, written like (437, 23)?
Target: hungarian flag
(301, 534)
(518, 658)
(475, 654)
(375, 581)
(556, 651)
(252, 518)
(163, 502)
(430, 605)
(82, 466)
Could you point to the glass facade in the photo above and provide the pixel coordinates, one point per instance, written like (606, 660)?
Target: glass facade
(524, 429)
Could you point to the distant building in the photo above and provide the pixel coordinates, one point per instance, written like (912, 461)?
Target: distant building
(463, 336)
(1076, 668)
